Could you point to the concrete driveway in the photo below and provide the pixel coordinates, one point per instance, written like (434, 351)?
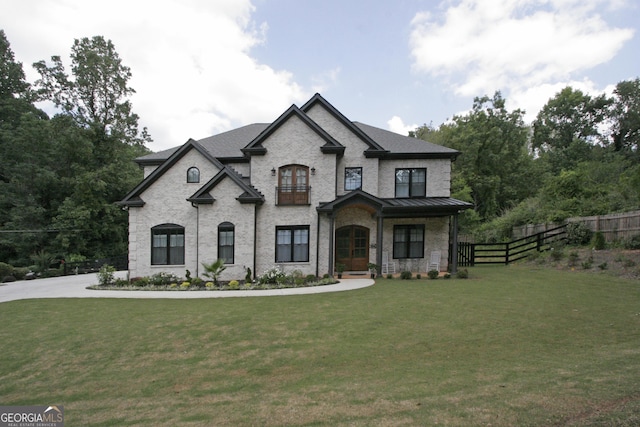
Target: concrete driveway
(75, 287)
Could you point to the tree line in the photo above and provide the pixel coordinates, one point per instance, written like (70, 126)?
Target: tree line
(60, 176)
(579, 157)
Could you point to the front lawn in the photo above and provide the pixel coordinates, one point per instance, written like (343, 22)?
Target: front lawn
(516, 345)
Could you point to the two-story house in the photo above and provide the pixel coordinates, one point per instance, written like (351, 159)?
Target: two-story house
(306, 192)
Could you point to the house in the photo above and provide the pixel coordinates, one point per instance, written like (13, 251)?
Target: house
(307, 192)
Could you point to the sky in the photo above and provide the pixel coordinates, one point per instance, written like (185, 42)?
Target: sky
(201, 67)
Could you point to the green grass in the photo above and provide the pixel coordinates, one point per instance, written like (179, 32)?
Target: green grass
(509, 346)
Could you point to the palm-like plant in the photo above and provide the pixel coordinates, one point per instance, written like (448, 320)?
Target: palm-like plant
(214, 270)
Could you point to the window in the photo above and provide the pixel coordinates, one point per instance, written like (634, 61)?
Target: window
(193, 174)
(408, 241)
(292, 244)
(226, 238)
(352, 179)
(167, 245)
(411, 182)
(292, 185)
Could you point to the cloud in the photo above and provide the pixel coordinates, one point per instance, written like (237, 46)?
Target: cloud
(396, 124)
(517, 46)
(190, 59)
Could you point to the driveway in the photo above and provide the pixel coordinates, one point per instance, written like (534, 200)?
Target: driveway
(75, 287)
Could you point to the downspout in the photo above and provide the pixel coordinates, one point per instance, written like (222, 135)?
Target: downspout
(379, 243)
(318, 248)
(195, 205)
(331, 248)
(255, 235)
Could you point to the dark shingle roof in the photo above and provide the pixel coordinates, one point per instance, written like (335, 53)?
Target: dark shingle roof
(384, 144)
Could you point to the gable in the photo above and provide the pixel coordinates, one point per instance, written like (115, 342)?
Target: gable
(257, 147)
(177, 175)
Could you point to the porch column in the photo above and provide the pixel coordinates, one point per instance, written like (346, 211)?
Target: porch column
(454, 245)
(331, 244)
(379, 243)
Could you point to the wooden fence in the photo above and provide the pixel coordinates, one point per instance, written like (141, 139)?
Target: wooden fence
(614, 227)
(470, 254)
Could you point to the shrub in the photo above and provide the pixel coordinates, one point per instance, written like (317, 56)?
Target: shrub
(310, 278)
(603, 266)
(389, 276)
(586, 265)
(248, 278)
(106, 275)
(7, 279)
(462, 274)
(433, 274)
(272, 276)
(197, 282)
(418, 276)
(598, 242)
(120, 283)
(573, 258)
(234, 284)
(214, 270)
(6, 269)
(578, 234)
(185, 285)
(164, 279)
(633, 242)
(405, 275)
(20, 272)
(209, 285)
(140, 281)
(447, 275)
(556, 254)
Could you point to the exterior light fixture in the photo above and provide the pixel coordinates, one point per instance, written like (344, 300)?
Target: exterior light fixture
(273, 171)
(313, 171)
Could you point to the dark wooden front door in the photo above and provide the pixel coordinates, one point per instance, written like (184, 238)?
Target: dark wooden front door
(352, 247)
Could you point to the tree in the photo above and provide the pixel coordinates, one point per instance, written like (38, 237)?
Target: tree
(565, 130)
(495, 167)
(625, 116)
(97, 97)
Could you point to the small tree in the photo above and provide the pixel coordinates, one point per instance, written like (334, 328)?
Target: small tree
(214, 270)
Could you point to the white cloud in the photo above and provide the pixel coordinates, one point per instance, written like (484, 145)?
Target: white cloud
(190, 59)
(525, 48)
(396, 124)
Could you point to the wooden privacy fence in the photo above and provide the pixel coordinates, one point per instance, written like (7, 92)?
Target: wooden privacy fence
(470, 254)
(614, 227)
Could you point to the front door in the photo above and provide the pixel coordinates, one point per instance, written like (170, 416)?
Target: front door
(352, 247)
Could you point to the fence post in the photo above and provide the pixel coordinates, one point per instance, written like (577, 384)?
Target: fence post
(506, 254)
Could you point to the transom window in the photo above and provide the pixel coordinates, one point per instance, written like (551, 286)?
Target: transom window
(193, 174)
(352, 179)
(293, 188)
(411, 182)
(292, 244)
(226, 241)
(408, 241)
(167, 245)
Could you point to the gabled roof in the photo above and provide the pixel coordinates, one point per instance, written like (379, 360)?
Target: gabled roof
(255, 147)
(249, 194)
(238, 144)
(134, 199)
(392, 207)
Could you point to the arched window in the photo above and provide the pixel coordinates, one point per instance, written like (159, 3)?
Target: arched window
(193, 174)
(167, 244)
(293, 185)
(226, 241)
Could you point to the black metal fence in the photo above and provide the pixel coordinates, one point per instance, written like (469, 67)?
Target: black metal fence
(470, 254)
(94, 265)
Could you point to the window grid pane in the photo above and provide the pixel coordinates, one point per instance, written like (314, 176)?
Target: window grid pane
(352, 179)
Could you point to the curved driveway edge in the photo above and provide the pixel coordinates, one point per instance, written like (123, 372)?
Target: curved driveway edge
(75, 287)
